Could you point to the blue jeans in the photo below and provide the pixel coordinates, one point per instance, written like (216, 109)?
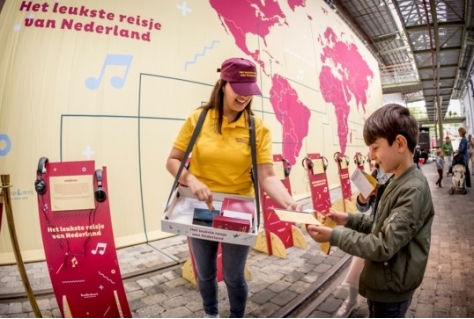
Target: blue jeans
(234, 258)
(388, 309)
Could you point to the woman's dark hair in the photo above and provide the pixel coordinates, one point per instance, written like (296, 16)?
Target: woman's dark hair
(388, 122)
(216, 101)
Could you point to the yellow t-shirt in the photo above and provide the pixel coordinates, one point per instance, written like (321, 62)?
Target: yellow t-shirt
(223, 162)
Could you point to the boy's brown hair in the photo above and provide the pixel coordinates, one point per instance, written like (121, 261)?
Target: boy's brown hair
(390, 121)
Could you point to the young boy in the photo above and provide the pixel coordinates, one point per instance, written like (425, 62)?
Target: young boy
(364, 205)
(396, 244)
(439, 166)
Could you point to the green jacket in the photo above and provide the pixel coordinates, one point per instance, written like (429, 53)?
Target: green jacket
(447, 148)
(396, 245)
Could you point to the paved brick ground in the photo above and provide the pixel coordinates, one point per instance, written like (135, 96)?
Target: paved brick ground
(275, 282)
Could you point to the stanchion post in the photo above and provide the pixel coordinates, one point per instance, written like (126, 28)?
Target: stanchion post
(16, 248)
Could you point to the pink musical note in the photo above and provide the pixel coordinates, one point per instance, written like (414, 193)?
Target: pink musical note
(100, 248)
(117, 82)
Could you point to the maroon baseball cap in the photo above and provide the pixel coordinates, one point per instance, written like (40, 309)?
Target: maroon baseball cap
(242, 76)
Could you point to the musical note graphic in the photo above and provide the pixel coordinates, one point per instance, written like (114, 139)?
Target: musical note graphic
(117, 82)
(74, 262)
(100, 248)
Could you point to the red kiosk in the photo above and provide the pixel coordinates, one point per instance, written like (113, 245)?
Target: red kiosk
(316, 166)
(346, 203)
(278, 235)
(371, 163)
(359, 160)
(78, 240)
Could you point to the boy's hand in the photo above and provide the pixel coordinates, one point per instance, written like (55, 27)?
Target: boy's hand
(319, 234)
(364, 200)
(339, 217)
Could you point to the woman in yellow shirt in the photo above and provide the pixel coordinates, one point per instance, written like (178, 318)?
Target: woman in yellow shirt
(221, 162)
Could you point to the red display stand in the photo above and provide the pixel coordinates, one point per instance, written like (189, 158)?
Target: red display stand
(359, 160)
(278, 235)
(342, 162)
(78, 240)
(371, 163)
(346, 203)
(316, 166)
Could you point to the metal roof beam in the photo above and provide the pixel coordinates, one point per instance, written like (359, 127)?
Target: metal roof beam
(434, 95)
(403, 48)
(446, 50)
(424, 68)
(386, 38)
(460, 81)
(446, 120)
(397, 85)
(424, 27)
(395, 65)
(441, 79)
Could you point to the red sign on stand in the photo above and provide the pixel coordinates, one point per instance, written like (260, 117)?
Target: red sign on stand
(343, 167)
(78, 240)
(371, 163)
(359, 160)
(272, 223)
(316, 168)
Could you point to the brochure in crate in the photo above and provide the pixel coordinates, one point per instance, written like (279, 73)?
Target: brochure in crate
(187, 216)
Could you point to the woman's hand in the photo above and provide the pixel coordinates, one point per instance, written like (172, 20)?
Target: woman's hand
(294, 206)
(199, 189)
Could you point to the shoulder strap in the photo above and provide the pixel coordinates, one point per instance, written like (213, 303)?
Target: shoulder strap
(253, 151)
(196, 132)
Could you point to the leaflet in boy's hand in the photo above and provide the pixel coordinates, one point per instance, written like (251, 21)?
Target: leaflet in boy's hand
(364, 182)
(328, 222)
(296, 217)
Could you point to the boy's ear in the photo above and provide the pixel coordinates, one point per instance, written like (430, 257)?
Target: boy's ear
(402, 143)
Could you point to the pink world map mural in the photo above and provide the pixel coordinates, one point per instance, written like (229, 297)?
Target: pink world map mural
(344, 74)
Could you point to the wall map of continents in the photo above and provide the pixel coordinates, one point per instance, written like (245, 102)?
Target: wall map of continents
(343, 73)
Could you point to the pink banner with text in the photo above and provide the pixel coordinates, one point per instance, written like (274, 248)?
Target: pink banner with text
(78, 240)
